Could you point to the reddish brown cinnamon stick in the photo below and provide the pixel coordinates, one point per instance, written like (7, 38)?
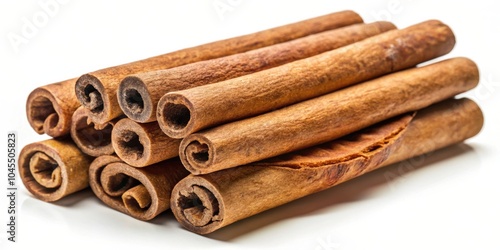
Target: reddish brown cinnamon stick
(97, 90)
(327, 117)
(53, 169)
(92, 139)
(49, 108)
(143, 144)
(205, 203)
(183, 112)
(142, 193)
(138, 94)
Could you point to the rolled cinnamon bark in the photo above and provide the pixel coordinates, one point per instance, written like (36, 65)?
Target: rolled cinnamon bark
(205, 203)
(181, 113)
(138, 95)
(142, 144)
(327, 117)
(142, 193)
(97, 90)
(92, 139)
(53, 169)
(49, 108)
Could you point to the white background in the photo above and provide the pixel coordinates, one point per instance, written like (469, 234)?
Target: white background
(449, 200)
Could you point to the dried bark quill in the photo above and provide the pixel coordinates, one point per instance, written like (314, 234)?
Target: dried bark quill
(142, 144)
(138, 95)
(326, 117)
(49, 108)
(205, 203)
(142, 193)
(53, 169)
(92, 139)
(97, 90)
(181, 113)
(222, 131)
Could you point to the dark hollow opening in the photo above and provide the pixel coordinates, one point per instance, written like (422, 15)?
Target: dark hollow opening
(93, 98)
(43, 168)
(177, 116)
(120, 183)
(201, 211)
(134, 101)
(131, 145)
(41, 109)
(88, 135)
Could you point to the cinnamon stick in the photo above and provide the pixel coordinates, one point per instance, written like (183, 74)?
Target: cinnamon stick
(97, 90)
(49, 108)
(205, 203)
(138, 95)
(92, 139)
(142, 144)
(325, 118)
(181, 113)
(53, 169)
(142, 193)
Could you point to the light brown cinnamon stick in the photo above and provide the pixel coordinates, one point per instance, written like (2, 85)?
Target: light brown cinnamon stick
(205, 203)
(97, 90)
(92, 139)
(142, 144)
(53, 169)
(49, 108)
(138, 94)
(327, 117)
(142, 193)
(181, 113)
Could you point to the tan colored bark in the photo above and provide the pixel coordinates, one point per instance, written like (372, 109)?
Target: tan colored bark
(218, 103)
(97, 90)
(327, 117)
(49, 108)
(138, 95)
(205, 203)
(53, 169)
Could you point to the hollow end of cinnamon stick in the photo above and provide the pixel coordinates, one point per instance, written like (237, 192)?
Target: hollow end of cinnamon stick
(197, 205)
(92, 139)
(135, 101)
(138, 195)
(53, 169)
(142, 144)
(142, 193)
(92, 95)
(174, 115)
(131, 142)
(196, 154)
(49, 109)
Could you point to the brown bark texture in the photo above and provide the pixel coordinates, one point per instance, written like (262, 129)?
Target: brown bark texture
(326, 117)
(142, 193)
(49, 108)
(142, 144)
(97, 90)
(205, 203)
(186, 111)
(54, 168)
(138, 95)
(92, 139)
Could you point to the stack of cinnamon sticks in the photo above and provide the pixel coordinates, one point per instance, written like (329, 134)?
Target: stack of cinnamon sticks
(225, 130)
